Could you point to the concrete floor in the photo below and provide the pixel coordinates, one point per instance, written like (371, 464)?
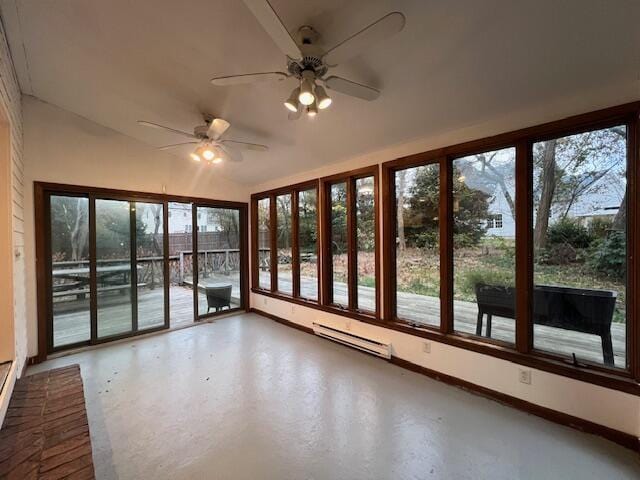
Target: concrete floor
(247, 398)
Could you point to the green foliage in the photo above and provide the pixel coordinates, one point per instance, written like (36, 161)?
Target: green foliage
(471, 278)
(599, 227)
(422, 210)
(609, 256)
(569, 232)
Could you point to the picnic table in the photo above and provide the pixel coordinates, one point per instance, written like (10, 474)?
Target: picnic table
(108, 278)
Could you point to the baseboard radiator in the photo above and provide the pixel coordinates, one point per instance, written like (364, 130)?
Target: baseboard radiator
(374, 347)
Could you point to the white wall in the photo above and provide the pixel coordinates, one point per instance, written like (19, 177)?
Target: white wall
(63, 147)
(611, 408)
(15, 327)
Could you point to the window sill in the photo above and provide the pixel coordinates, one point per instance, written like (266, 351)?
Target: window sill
(614, 380)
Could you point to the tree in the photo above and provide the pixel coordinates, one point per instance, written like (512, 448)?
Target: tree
(548, 182)
(401, 185)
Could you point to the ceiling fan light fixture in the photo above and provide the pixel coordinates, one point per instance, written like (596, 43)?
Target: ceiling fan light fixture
(206, 151)
(217, 160)
(306, 96)
(194, 156)
(322, 99)
(312, 110)
(292, 103)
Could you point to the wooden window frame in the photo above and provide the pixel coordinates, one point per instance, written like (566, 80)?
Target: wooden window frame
(522, 352)
(294, 191)
(42, 194)
(349, 178)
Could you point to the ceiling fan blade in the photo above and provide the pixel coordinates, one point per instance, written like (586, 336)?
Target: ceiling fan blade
(167, 147)
(162, 127)
(354, 89)
(256, 147)
(230, 154)
(217, 127)
(245, 78)
(358, 42)
(270, 21)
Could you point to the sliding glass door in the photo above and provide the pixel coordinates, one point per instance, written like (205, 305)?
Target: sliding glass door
(69, 269)
(219, 260)
(113, 278)
(119, 264)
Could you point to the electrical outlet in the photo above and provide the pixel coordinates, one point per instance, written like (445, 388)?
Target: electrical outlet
(293, 309)
(264, 301)
(426, 347)
(524, 376)
(347, 325)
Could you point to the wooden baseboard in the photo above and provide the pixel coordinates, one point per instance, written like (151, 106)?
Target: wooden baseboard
(282, 320)
(621, 438)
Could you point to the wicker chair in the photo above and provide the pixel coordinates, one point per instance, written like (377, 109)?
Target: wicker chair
(218, 297)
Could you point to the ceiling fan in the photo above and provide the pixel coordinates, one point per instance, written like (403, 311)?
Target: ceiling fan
(211, 147)
(309, 64)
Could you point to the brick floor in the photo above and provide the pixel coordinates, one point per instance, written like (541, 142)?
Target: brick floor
(45, 434)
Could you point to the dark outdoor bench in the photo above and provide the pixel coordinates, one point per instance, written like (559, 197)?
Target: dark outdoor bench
(575, 309)
(218, 297)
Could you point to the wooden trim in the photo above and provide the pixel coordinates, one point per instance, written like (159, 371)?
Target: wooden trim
(633, 247)
(389, 209)
(446, 246)
(133, 262)
(295, 244)
(273, 243)
(106, 193)
(93, 276)
(194, 260)
(275, 318)
(244, 257)
(165, 266)
(42, 260)
(622, 438)
(352, 247)
(255, 255)
(524, 246)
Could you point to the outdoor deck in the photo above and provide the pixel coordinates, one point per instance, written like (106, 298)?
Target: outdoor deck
(72, 322)
(73, 326)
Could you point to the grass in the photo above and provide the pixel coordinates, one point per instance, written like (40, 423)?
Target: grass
(493, 262)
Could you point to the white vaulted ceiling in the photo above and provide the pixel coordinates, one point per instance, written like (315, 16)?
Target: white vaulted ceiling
(457, 63)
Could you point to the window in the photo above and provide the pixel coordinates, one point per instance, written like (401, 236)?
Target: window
(494, 221)
(417, 244)
(339, 245)
(483, 262)
(284, 242)
(580, 246)
(264, 244)
(292, 247)
(308, 243)
(350, 245)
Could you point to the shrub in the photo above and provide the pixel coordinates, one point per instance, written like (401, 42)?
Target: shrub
(609, 257)
(500, 278)
(599, 227)
(568, 232)
(428, 239)
(557, 254)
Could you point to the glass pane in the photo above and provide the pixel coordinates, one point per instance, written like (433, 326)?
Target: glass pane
(264, 244)
(180, 263)
(283, 221)
(113, 257)
(70, 270)
(308, 243)
(218, 259)
(150, 258)
(580, 246)
(339, 263)
(417, 244)
(366, 244)
(484, 244)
